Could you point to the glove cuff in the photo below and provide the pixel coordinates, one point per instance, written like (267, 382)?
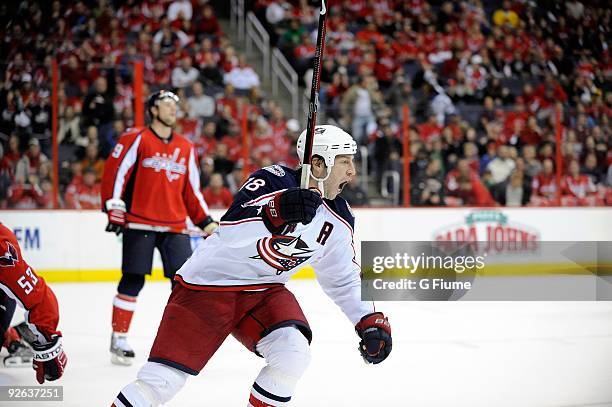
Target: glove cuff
(271, 215)
(115, 205)
(49, 351)
(272, 211)
(207, 220)
(373, 320)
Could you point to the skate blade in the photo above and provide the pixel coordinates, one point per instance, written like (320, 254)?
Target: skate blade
(121, 360)
(18, 361)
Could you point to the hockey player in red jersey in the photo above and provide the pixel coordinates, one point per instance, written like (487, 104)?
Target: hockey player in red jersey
(19, 283)
(151, 185)
(234, 282)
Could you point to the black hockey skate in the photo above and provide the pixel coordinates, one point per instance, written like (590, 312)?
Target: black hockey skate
(20, 354)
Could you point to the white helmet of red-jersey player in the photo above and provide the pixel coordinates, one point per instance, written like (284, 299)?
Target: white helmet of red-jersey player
(329, 141)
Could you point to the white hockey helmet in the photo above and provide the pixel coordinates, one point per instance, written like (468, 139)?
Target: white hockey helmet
(329, 141)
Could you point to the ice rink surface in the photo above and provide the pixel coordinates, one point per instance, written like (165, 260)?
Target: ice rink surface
(488, 354)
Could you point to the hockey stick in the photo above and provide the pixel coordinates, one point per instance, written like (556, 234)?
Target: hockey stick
(314, 98)
(164, 229)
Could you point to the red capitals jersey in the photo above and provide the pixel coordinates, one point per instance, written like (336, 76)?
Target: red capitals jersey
(579, 186)
(21, 283)
(158, 179)
(81, 196)
(544, 185)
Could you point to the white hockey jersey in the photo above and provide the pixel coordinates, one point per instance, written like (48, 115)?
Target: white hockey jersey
(243, 255)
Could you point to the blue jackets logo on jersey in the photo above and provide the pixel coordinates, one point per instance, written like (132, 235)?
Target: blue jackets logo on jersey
(282, 252)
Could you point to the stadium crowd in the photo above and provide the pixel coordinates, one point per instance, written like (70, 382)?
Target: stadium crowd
(483, 81)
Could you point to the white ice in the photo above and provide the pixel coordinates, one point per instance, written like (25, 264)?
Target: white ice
(472, 354)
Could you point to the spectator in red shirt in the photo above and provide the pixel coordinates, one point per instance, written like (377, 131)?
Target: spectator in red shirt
(160, 74)
(216, 195)
(430, 129)
(72, 72)
(464, 170)
(27, 194)
(31, 161)
(577, 189)
(281, 143)
(76, 172)
(262, 140)
(470, 153)
(86, 194)
(12, 156)
(305, 51)
(206, 23)
(227, 104)
(532, 133)
(370, 34)
(551, 85)
(206, 141)
(472, 192)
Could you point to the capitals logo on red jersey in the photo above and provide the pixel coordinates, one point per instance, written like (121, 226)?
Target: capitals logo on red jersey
(10, 257)
(282, 252)
(173, 167)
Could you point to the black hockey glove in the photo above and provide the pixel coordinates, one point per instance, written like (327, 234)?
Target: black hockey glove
(49, 360)
(375, 333)
(208, 225)
(294, 205)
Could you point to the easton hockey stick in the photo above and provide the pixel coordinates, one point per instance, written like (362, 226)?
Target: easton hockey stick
(314, 97)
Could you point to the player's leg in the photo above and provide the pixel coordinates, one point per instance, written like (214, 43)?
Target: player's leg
(20, 354)
(174, 249)
(193, 327)
(137, 261)
(277, 330)
(7, 309)
(287, 354)
(155, 384)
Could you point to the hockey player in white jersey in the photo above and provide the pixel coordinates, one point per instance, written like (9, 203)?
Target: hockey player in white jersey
(234, 282)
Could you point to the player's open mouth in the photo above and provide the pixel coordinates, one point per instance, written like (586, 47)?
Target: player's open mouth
(342, 185)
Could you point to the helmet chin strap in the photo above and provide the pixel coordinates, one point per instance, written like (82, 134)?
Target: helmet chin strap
(321, 180)
(163, 122)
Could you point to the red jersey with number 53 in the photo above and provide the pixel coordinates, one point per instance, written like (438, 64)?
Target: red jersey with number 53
(21, 283)
(158, 179)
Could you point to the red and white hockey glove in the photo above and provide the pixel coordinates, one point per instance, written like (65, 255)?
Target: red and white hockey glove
(375, 333)
(49, 360)
(294, 205)
(115, 209)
